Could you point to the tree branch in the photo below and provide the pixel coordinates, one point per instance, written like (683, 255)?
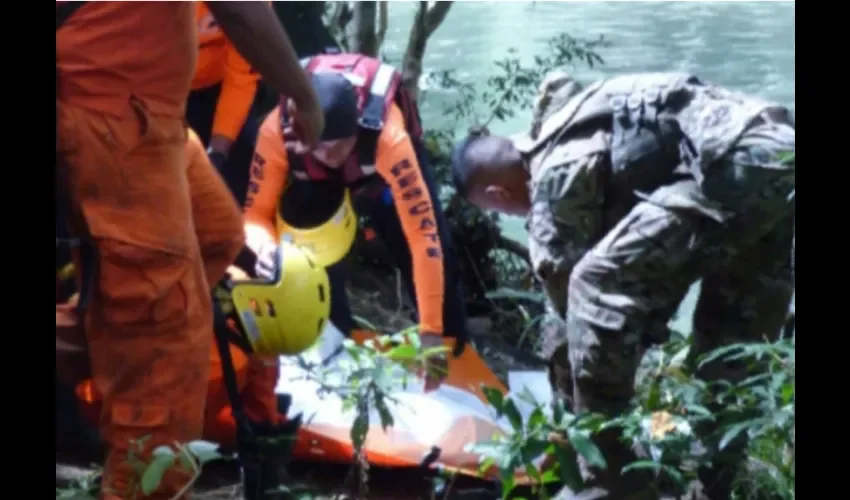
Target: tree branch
(425, 23)
(435, 16)
(361, 34)
(338, 20)
(383, 22)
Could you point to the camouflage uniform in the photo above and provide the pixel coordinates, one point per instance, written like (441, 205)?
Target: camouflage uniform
(641, 185)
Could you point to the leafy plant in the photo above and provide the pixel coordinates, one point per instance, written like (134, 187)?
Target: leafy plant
(366, 377)
(189, 457)
(533, 443)
(670, 404)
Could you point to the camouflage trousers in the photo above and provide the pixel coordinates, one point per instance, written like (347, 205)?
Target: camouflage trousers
(735, 232)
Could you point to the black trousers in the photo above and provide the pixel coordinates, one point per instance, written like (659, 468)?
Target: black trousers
(376, 204)
(200, 112)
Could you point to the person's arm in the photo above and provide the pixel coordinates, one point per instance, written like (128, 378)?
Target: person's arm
(217, 217)
(255, 31)
(269, 169)
(238, 89)
(396, 162)
(566, 217)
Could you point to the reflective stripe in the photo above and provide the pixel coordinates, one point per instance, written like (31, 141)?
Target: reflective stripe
(356, 80)
(383, 80)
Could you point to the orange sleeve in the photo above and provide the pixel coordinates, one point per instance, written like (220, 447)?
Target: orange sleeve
(269, 171)
(396, 162)
(238, 88)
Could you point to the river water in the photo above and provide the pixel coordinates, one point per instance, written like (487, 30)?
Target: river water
(744, 45)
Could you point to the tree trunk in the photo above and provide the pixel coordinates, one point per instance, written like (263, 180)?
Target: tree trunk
(426, 22)
(361, 33)
(383, 22)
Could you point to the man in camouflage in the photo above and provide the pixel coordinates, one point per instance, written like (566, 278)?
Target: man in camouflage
(634, 188)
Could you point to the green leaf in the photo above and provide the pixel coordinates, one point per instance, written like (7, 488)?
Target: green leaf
(698, 410)
(558, 412)
(359, 430)
(568, 469)
(434, 351)
(537, 419)
(533, 448)
(485, 465)
(653, 397)
(404, 352)
(495, 397)
(507, 466)
(384, 412)
(510, 294)
(526, 396)
(152, 477)
(722, 352)
(656, 467)
(163, 451)
(550, 476)
(585, 447)
(732, 432)
(204, 451)
(514, 417)
(787, 393)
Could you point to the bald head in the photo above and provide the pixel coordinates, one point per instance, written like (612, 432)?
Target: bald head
(488, 171)
(482, 155)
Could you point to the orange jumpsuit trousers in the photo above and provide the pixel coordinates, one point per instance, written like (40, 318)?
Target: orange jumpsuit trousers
(159, 229)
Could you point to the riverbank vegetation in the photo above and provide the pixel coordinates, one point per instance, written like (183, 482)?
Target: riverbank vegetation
(505, 304)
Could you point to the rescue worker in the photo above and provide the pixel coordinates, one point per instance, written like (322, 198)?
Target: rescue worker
(123, 75)
(221, 104)
(372, 147)
(218, 226)
(634, 188)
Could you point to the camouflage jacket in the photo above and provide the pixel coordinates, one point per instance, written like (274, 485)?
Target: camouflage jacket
(594, 152)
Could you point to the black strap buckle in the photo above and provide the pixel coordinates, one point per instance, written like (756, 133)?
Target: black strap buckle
(371, 123)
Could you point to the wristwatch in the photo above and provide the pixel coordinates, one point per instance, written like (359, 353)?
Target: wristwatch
(217, 158)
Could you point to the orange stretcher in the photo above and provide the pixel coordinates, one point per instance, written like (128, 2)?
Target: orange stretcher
(447, 420)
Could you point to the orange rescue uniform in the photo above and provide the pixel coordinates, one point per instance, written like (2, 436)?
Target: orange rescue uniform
(123, 74)
(397, 164)
(219, 62)
(219, 235)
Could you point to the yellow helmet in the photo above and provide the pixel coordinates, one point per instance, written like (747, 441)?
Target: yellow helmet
(330, 241)
(284, 317)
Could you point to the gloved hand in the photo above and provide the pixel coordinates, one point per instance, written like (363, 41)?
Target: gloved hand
(267, 261)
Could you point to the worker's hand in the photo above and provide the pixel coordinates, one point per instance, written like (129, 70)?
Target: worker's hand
(436, 367)
(309, 123)
(267, 261)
